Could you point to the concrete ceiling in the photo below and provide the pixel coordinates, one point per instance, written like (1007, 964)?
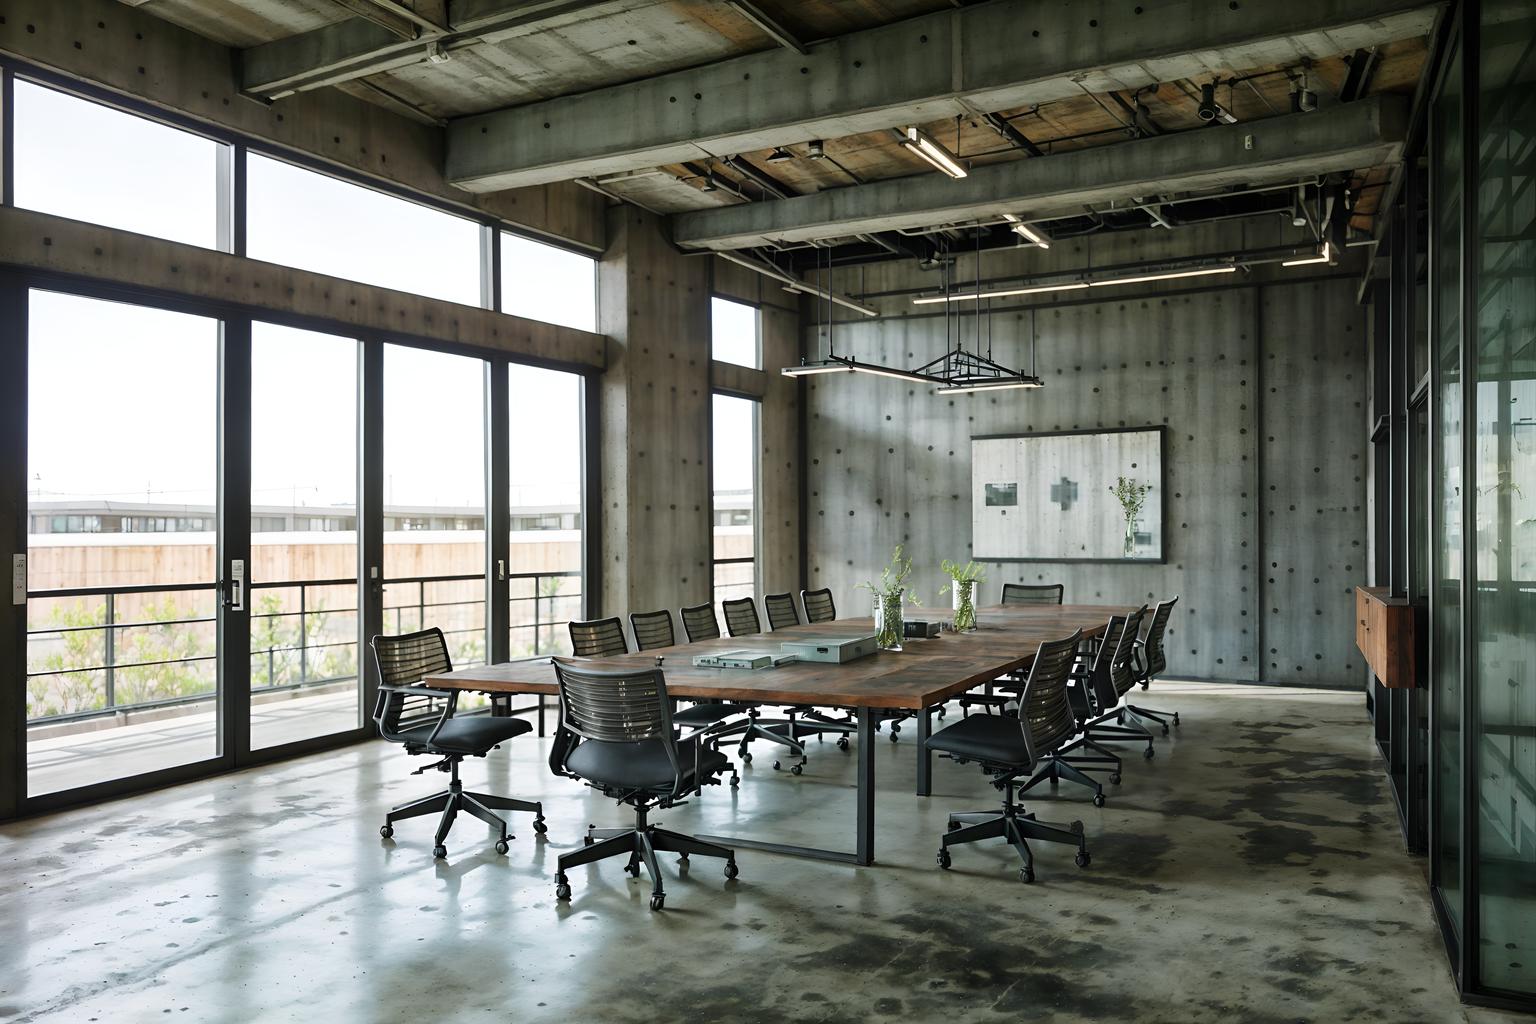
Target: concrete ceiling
(514, 66)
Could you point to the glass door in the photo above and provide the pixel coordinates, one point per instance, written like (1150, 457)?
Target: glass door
(122, 470)
(303, 572)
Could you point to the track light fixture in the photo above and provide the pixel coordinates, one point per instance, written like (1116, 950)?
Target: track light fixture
(1324, 256)
(780, 155)
(923, 144)
(1207, 109)
(1025, 231)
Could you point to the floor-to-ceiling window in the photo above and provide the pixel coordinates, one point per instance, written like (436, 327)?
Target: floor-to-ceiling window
(545, 544)
(303, 566)
(1502, 477)
(733, 508)
(122, 478)
(434, 497)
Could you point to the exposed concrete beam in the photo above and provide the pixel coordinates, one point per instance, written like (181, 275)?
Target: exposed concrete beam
(1342, 138)
(40, 241)
(989, 57)
(359, 46)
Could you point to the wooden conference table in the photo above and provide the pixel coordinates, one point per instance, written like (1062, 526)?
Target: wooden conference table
(920, 677)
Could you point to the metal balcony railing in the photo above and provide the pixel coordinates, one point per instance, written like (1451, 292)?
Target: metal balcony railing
(86, 663)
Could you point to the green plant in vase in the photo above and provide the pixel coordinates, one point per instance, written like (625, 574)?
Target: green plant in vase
(890, 593)
(1132, 496)
(962, 588)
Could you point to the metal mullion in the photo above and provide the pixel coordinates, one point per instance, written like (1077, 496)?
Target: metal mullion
(233, 686)
(7, 137)
(591, 496)
(1467, 947)
(13, 538)
(498, 511)
(370, 512)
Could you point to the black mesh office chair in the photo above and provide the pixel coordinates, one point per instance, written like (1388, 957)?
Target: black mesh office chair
(741, 617)
(1151, 660)
(1028, 593)
(1007, 747)
(652, 629)
(699, 623)
(423, 721)
(1112, 720)
(818, 605)
(617, 735)
(782, 613)
(598, 638)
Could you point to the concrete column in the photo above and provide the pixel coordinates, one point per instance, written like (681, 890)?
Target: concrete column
(653, 304)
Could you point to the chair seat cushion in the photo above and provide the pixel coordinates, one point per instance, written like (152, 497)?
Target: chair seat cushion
(641, 765)
(995, 739)
(705, 714)
(471, 734)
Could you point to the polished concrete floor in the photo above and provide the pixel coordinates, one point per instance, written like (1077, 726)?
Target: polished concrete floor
(1252, 872)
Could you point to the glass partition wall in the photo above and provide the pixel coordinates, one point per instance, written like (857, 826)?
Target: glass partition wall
(202, 481)
(1482, 504)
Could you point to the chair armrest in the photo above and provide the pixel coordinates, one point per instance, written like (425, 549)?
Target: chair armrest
(415, 689)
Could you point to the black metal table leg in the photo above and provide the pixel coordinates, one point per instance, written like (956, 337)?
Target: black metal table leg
(865, 815)
(924, 755)
(864, 812)
(540, 697)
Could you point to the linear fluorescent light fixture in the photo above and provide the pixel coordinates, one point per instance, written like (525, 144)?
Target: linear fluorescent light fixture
(925, 300)
(921, 143)
(844, 364)
(1305, 260)
(1024, 231)
(990, 385)
(1172, 275)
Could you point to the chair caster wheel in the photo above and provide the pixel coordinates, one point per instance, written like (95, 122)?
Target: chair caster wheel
(1149, 754)
(1114, 779)
(796, 769)
(587, 840)
(941, 714)
(1098, 799)
(1026, 875)
(632, 869)
(440, 851)
(1076, 828)
(540, 827)
(502, 846)
(735, 781)
(746, 757)
(386, 831)
(1082, 859)
(1175, 718)
(954, 826)
(562, 888)
(777, 766)
(658, 901)
(894, 737)
(842, 743)
(944, 860)
(682, 862)
(731, 870)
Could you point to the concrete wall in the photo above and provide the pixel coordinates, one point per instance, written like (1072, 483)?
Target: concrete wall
(1261, 388)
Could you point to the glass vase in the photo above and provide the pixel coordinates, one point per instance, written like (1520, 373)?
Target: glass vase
(963, 599)
(1130, 537)
(890, 628)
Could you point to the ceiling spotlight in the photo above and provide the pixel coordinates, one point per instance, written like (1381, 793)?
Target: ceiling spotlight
(815, 149)
(1208, 109)
(780, 155)
(1303, 99)
(921, 143)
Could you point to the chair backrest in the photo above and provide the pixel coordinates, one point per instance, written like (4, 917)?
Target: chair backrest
(607, 705)
(1044, 709)
(781, 610)
(1122, 665)
(598, 638)
(699, 623)
(1029, 593)
(818, 605)
(652, 629)
(1157, 659)
(741, 617)
(403, 661)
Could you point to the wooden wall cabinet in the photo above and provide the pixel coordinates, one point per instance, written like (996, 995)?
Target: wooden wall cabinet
(1384, 632)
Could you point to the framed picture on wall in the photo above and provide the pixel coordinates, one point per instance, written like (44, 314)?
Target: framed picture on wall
(1069, 496)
